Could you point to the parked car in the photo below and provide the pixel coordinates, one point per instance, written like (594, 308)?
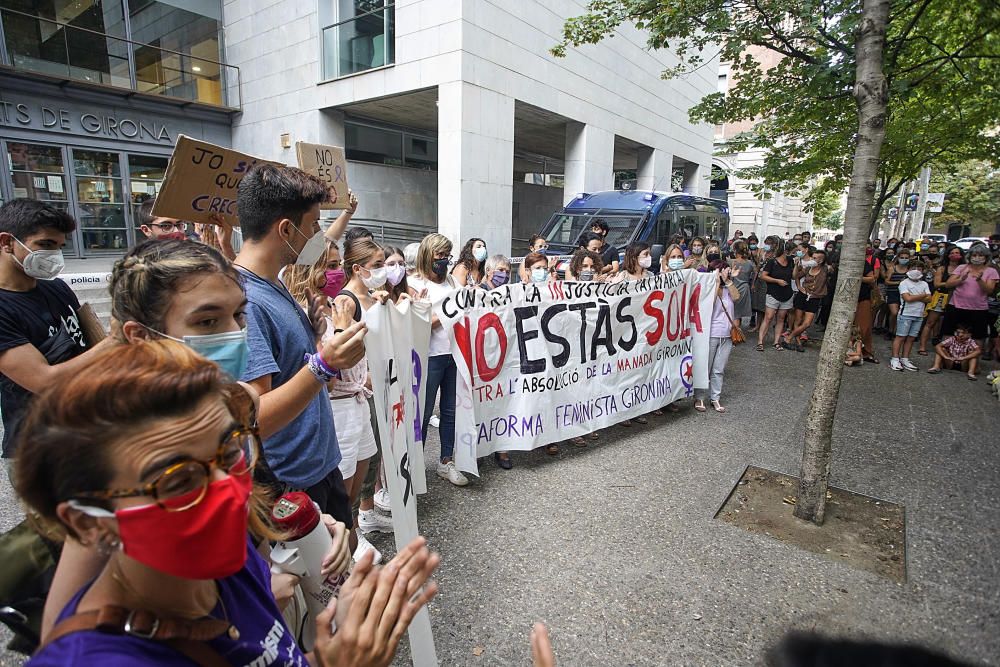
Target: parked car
(969, 241)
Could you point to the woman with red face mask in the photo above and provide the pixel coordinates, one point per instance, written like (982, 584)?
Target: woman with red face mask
(147, 460)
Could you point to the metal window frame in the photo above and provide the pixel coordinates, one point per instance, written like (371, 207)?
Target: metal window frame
(386, 9)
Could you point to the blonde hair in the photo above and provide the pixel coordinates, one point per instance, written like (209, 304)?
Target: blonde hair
(298, 278)
(359, 251)
(431, 245)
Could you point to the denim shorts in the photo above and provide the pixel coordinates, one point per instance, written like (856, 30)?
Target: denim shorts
(908, 325)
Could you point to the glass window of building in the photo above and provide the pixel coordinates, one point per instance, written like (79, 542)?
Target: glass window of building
(177, 53)
(78, 39)
(146, 174)
(383, 145)
(100, 201)
(37, 172)
(362, 39)
(168, 48)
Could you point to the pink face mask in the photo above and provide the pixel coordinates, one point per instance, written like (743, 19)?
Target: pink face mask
(335, 280)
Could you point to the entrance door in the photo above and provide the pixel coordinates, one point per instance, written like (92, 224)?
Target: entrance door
(103, 218)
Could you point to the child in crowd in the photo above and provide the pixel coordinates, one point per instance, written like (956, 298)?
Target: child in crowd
(959, 349)
(854, 354)
(914, 294)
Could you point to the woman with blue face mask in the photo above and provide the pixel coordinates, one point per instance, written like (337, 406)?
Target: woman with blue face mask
(471, 265)
(536, 268)
(186, 292)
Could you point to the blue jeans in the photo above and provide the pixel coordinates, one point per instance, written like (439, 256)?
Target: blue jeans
(908, 326)
(442, 374)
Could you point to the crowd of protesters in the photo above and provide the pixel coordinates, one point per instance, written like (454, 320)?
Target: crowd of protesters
(155, 455)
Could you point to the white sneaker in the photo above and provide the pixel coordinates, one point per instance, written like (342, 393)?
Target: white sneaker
(895, 365)
(449, 472)
(382, 501)
(370, 521)
(907, 364)
(434, 421)
(364, 546)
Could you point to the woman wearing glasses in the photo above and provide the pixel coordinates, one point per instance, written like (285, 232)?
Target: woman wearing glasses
(147, 461)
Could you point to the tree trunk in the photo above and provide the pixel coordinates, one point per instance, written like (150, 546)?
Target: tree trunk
(871, 95)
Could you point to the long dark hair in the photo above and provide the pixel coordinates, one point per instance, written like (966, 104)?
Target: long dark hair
(576, 264)
(396, 291)
(630, 263)
(466, 258)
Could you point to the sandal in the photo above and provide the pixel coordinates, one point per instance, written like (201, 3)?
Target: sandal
(627, 422)
(760, 348)
(658, 413)
(672, 407)
(718, 407)
(699, 405)
(779, 347)
(870, 360)
(594, 436)
(972, 377)
(552, 449)
(933, 371)
(578, 441)
(922, 353)
(641, 420)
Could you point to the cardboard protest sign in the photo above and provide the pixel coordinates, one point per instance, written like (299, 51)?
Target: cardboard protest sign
(328, 164)
(542, 363)
(201, 181)
(396, 346)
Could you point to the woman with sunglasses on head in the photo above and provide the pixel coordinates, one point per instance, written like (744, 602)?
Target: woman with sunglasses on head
(433, 258)
(146, 461)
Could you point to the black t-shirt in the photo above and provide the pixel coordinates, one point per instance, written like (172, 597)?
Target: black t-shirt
(45, 317)
(609, 254)
(776, 270)
(865, 294)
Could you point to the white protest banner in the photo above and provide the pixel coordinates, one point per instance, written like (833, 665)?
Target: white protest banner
(543, 363)
(396, 347)
(201, 182)
(328, 164)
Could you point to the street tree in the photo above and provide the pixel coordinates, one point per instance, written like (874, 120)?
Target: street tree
(850, 75)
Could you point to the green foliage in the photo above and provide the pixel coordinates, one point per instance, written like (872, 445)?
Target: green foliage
(942, 64)
(972, 196)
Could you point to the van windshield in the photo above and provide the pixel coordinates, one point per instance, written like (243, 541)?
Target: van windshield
(563, 229)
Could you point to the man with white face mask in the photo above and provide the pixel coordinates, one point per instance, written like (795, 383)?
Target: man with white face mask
(40, 334)
(278, 209)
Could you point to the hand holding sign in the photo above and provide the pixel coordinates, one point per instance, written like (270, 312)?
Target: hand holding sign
(201, 181)
(328, 164)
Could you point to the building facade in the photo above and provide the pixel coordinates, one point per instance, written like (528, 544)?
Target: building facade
(775, 212)
(453, 114)
(93, 94)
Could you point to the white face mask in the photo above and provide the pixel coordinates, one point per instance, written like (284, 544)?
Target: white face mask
(675, 263)
(480, 254)
(394, 273)
(645, 262)
(808, 263)
(375, 279)
(312, 250)
(42, 264)
(915, 274)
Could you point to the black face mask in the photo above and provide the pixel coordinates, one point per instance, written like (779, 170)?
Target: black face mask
(714, 256)
(440, 267)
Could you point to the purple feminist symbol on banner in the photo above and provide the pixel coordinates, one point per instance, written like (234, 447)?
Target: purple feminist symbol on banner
(417, 377)
(687, 374)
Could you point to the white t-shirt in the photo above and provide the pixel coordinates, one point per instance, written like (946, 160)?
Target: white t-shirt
(436, 292)
(913, 308)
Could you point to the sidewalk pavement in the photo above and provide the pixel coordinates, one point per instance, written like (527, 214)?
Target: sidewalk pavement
(615, 548)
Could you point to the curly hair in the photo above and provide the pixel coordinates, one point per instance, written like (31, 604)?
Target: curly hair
(576, 264)
(468, 260)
